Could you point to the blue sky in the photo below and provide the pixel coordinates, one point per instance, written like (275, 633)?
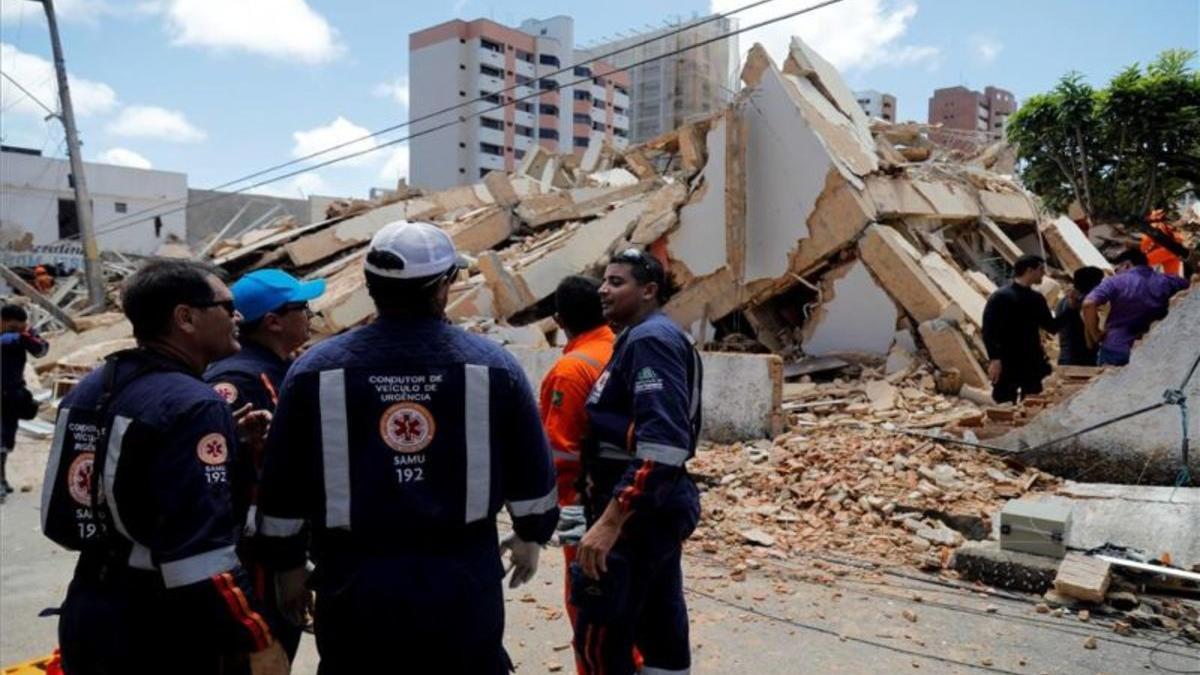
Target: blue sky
(221, 88)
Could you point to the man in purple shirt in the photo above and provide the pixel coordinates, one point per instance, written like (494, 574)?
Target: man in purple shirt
(1136, 297)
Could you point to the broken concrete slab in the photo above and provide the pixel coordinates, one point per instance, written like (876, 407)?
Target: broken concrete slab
(481, 229)
(948, 349)
(891, 259)
(949, 200)
(849, 146)
(999, 240)
(1008, 207)
(1071, 246)
(501, 189)
(803, 61)
(955, 286)
(661, 214)
(699, 242)
(856, 315)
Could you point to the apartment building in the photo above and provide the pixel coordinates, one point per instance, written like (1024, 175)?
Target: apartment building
(962, 109)
(877, 105)
(673, 91)
(526, 101)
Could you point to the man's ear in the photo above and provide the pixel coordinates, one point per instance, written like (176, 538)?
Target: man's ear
(650, 291)
(184, 318)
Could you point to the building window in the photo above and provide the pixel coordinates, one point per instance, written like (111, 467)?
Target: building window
(618, 110)
(490, 71)
(581, 95)
(524, 131)
(518, 153)
(523, 81)
(621, 90)
(620, 133)
(583, 71)
(491, 46)
(524, 56)
(581, 141)
(547, 109)
(461, 170)
(122, 207)
(491, 149)
(598, 103)
(489, 96)
(547, 84)
(462, 145)
(581, 118)
(488, 123)
(550, 134)
(524, 106)
(548, 60)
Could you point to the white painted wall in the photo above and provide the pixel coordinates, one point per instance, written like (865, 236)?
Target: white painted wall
(699, 241)
(434, 82)
(859, 318)
(30, 187)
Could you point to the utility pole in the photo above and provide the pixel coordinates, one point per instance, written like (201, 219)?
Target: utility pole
(83, 205)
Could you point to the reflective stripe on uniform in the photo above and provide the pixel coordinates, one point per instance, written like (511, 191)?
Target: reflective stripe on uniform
(586, 359)
(251, 526)
(651, 670)
(610, 451)
(198, 567)
(139, 558)
(112, 458)
(566, 456)
(280, 527)
(48, 483)
(663, 454)
(534, 507)
(479, 442)
(335, 448)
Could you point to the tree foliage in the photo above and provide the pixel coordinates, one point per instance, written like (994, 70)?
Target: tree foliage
(1120, 151)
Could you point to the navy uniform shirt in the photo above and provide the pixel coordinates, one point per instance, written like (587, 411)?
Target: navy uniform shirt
(402, 435)
(13, 347)
(644, 419)
(167, 491)
(253, 375)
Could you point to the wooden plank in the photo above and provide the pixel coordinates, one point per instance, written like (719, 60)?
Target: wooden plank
(36, 296)
(1083, 577)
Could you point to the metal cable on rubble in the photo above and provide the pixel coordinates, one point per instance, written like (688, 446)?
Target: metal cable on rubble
(1159, 648)
(537, 94)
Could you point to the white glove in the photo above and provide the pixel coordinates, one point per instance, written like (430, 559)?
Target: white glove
(524, 558)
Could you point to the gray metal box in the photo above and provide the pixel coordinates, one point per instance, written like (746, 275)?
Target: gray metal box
(1040, 528)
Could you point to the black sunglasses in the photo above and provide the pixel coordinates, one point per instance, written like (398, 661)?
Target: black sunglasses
(226, 305)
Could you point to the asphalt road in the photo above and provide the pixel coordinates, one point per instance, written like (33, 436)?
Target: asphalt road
(779, 620)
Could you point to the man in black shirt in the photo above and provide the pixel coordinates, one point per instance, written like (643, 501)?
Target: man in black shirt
(1011, 320)
(1073, 348)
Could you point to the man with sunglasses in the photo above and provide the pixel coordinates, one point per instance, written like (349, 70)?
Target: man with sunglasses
(275, 323)
(141, 480)
(396, 444)
(640, 502)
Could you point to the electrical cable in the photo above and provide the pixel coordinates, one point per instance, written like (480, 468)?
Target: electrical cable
(478, 113)
(1158, 649)
(28, 94)
(480, 99)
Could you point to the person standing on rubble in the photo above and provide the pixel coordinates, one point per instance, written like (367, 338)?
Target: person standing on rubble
(641, 504)
(1012, 319)
(563, 396)
(1136, 296)
(397, 443)
(275, 315)
(1073, 347)
(16, 402)
(142, 480)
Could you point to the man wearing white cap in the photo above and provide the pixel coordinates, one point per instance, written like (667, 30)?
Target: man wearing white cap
(397, 443)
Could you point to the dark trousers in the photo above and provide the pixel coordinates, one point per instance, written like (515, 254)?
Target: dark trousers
(411, 613)
(284, 631)
(1018, 380)
(638, 602)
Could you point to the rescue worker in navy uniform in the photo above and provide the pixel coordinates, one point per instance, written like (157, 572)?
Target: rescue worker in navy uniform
(398, 443)
(275, 316)
(641, 504)
(158, 587)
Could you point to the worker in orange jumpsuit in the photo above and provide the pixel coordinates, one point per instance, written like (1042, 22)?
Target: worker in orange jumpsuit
(1158, 255)
(563, 395)
(42, 279)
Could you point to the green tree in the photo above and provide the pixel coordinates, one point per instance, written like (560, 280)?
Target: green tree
(1120, 151)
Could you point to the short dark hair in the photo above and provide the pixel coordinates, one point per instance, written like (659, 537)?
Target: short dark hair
(1027, 262)
(1132, 255)
(645, 269)
(1087, 278)
(153, 292)
(409, 297)
(13, 313)
(577, 303)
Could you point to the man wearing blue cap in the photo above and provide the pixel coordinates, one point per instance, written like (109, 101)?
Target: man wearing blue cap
(396, 444)
(274, 309)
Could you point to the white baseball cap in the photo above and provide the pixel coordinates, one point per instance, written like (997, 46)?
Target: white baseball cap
(422, 250)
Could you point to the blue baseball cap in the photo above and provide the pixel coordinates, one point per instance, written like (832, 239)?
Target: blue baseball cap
(263, 291)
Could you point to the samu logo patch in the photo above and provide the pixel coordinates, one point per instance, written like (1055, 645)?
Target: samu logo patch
(646, 380)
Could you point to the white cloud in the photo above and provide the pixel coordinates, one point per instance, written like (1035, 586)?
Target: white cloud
(340, 131)
(147, 121)
(281, 29)
(397, 90)
(123, 157)
(855, 34)
(986, 47)
(396, 166)
(296, 187)
(37, 75)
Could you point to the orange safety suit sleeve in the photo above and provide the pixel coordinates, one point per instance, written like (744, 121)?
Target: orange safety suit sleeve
(564, 417)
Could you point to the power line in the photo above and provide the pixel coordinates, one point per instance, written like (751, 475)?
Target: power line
(28, 93)
(479, 99)
(462, 119)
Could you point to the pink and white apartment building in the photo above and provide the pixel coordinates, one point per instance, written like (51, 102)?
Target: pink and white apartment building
(458, 61)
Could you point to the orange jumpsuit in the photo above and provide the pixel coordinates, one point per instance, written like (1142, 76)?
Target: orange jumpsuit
(1159, 256)
(563, 395)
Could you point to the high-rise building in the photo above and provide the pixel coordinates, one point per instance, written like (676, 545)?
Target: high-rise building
(459, 61)
(877, 104)
(672, 91)
(965, 110)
